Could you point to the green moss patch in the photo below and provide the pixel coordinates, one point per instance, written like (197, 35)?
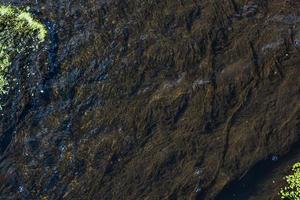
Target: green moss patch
(19, 33)
(292, 190)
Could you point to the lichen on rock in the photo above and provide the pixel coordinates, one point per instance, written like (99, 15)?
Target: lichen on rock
(19, 33)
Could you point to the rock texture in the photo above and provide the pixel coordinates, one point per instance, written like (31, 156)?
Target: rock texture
(148, 99)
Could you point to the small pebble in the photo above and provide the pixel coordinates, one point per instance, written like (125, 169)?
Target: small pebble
(198, 190)
(274, 158)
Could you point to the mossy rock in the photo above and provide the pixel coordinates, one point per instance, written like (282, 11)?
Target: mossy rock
(19, 33)
(292, 191)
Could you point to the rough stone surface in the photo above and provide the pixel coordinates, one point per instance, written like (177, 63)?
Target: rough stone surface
(149, 99)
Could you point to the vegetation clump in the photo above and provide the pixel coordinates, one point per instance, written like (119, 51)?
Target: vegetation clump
(292, 191)
(20, 32)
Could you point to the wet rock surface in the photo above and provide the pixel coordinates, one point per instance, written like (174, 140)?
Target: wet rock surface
(142, 99)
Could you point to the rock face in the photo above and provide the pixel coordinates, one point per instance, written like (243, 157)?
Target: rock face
(148, 99)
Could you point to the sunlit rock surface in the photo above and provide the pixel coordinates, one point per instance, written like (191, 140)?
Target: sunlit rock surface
(137, 99)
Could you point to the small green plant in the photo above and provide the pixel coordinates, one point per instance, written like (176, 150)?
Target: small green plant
(20, 32)
(292, 191)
